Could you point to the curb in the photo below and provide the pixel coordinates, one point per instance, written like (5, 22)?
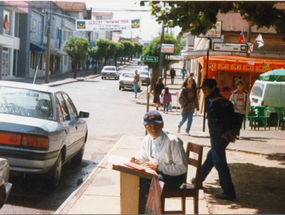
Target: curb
(76, 194)
(70, 80)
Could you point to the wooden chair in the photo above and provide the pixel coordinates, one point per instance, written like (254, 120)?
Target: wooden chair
(187, 189)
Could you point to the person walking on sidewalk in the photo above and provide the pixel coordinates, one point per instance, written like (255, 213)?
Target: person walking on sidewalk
(136, 82)
(188, 100)
(172, 75)
(165, 99)
(241, 102)
(161, 152)
(157, 89)
(183, 71)
(222, 127)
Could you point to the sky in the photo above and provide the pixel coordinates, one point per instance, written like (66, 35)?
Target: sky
(131, 9)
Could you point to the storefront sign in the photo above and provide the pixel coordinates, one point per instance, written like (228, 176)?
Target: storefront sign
(215, 32)
(167, 48)
(176, 57)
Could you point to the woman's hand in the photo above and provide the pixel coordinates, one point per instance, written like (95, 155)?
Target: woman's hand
(150, 165)
(134, 160)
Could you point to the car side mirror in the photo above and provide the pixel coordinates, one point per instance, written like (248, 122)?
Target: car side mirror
(83, 114)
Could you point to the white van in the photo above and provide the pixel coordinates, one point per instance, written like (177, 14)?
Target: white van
(268, 93)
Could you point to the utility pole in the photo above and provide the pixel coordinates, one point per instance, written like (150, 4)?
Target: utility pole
(161, 53)
(48, 45)
(248, 36)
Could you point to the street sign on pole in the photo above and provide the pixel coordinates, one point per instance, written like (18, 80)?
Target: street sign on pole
(230, 47)
(177, 57)
(149, 59)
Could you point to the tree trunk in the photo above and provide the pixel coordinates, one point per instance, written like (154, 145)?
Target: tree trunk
(75, 70)
(154, 77)
(122, 60)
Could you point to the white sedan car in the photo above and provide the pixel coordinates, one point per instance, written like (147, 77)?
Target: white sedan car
(126, 81)
(109, 72)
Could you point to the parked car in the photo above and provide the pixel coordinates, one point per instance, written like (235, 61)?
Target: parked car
(126, 81)
(5, 186)
(109, 72)
(144, 76)
(40, 129)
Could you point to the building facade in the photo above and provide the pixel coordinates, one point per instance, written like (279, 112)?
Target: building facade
(228, 66)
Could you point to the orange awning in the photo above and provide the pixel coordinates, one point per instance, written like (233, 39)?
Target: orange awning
(240, 64)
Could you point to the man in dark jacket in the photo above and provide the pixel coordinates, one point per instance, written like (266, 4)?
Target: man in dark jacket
(222, 127)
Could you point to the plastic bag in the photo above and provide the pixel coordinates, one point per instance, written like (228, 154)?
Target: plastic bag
(153, 204)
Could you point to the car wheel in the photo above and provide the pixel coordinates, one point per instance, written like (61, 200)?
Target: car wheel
(55, 173)
(77, 159)
(102, 78)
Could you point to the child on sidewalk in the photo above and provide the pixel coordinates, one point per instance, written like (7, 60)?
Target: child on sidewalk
(165, 99)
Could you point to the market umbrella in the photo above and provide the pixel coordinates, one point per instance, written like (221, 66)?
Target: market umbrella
(273, 75)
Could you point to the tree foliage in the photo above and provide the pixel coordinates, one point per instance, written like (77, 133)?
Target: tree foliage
(76, 48)
(199, 16)
(153, 49)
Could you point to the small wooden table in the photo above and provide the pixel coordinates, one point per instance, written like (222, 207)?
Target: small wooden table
(129, 187)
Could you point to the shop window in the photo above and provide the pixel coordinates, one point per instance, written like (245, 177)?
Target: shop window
(34, 26)
(40, 27)
(6, 22)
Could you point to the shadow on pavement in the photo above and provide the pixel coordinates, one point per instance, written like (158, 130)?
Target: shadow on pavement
(258, 187)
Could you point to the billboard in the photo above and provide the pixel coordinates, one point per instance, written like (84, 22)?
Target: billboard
(106, 25)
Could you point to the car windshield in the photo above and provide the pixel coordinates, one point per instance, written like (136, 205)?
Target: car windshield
(25, 102)
(129, 75)
(144, 73)
(109, 68)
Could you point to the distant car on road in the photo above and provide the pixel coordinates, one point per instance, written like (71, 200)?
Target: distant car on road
(40, 129)
(109, 72)
(145, 76)
(126, 81)
(5, 186)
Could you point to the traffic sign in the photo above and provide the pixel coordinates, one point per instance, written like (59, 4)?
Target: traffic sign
(149, 59)
(175, 57)
(230, 47)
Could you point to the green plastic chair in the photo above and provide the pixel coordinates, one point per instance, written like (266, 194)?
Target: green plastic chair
(280, 117)
(263, 116)
(252, 116)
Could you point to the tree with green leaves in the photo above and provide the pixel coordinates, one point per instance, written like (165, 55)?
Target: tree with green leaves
(128, 49)
(199, 16)
(111, 51)
(76, 48)
(94, 53)
(103, 46)
(153, 49)
(138, 49)
(119, 52)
